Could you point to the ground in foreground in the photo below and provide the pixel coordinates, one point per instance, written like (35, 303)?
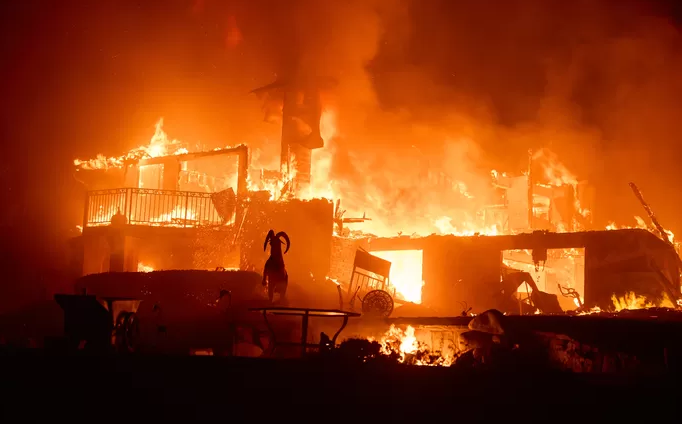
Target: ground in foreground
(37, 385)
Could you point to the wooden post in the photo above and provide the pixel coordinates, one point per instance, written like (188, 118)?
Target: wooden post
(85, 210)
(187, 199)
(129, 198)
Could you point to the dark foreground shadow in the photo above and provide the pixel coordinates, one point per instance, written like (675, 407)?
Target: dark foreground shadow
(35, 386)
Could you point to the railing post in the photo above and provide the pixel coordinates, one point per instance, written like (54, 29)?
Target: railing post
(127, 200)
(85, 209)
(187, 199)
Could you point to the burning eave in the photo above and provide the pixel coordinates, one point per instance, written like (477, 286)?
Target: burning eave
(240, 149)
(112, 173)
(105, 164)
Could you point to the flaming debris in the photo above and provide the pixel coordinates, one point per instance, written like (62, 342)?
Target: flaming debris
(144, 268)
(591, 311)
(630, 301)
(407, 349)
(159, 145)
(640, 223)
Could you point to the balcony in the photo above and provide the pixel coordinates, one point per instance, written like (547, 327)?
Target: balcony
(160, 208)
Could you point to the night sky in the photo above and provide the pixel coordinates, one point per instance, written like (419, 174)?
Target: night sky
(80, 78)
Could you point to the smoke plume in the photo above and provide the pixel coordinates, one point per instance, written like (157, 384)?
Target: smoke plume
(596, 82)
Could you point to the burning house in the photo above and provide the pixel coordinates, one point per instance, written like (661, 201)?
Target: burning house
(191, 211)
(166, 206)
(538, 238)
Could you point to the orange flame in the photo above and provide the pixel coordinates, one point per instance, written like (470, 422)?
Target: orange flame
(417, 207)
(403, 343)
(144, 268)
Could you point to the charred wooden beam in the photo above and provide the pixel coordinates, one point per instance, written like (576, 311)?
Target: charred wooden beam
(242, 168)
(649, 211)
(529, 241)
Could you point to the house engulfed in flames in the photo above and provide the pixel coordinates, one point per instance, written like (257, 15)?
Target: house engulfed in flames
(176, 207)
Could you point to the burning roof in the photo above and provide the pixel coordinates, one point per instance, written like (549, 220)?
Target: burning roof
(159, 146)
(435, 203)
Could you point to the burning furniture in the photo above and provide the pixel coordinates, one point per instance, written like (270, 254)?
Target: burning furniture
(536, 301)
(369, 284)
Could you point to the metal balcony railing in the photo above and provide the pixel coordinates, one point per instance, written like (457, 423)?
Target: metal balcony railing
(163, 208)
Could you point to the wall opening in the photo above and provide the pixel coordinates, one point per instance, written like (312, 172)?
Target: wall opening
(151, 176)
(209, 174)
(406, 272)
(563, 267)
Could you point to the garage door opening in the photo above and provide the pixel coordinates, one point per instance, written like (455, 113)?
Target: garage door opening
(406, 272)
(563, 270)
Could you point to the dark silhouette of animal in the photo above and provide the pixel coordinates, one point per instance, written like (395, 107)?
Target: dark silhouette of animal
(274, 272)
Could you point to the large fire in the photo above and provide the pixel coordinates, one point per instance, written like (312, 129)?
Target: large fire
(142, 267)
(443, 205)
(406, 272)
(389, 217)
(159, 145)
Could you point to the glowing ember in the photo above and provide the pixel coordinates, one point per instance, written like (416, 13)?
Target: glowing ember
(591, 311)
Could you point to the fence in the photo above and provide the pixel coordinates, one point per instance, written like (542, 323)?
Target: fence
(167, 208)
